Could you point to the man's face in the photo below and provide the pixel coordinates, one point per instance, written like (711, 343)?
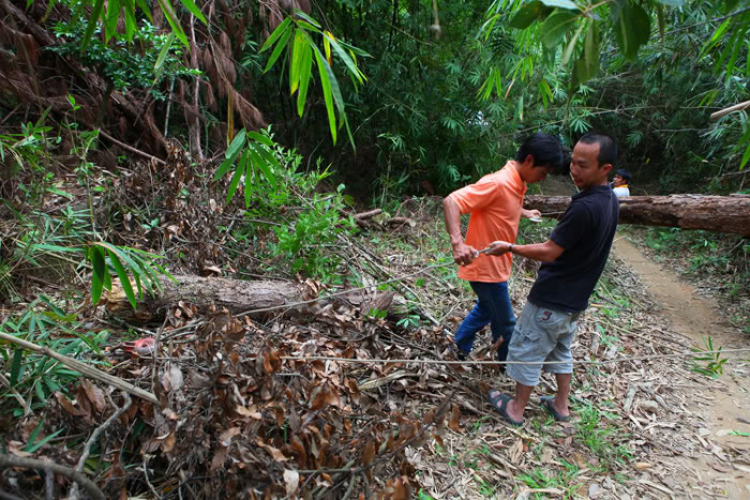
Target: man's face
(538, 174)
(619, 181)
(584, 166)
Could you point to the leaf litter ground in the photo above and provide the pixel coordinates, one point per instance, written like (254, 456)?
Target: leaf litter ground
(239, 421)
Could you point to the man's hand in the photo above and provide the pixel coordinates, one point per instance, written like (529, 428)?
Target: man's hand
(464, 254)
(530, 214)
(498, 248)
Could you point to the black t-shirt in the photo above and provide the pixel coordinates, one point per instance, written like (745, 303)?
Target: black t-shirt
(585, 232)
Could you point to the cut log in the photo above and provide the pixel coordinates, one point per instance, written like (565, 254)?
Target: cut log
(726, 214)
(236, 295)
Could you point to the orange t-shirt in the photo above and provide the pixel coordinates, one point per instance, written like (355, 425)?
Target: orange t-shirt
(495, 203)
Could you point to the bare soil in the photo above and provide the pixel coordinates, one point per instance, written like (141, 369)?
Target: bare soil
(697, 317)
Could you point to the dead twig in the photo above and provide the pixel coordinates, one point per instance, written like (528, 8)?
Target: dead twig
(94, 437)
(32, 463)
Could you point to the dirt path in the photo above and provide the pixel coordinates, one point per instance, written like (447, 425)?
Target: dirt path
(697, 317)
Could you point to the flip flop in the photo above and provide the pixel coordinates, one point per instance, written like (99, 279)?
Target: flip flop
(547, 402)
(502, 409)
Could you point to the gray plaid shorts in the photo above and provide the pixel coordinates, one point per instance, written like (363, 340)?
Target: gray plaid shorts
(541, 334)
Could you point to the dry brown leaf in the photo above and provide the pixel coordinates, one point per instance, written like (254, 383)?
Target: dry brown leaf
(67, 405)
(226, 437)
(455, 419)
(275, 452)
(369, 453)
(219, 458)
(291, 481)
(516, 451)
(94, 394)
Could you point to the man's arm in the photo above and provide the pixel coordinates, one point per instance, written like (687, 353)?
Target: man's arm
(462, 253)
(529, 214)
(548, 251)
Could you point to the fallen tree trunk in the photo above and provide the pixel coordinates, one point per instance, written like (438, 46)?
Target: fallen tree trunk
(726, 214)
(237, 296)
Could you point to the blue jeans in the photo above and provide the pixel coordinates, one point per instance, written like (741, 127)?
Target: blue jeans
(493, 307)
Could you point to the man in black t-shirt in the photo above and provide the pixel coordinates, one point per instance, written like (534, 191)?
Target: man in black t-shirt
(574, 257)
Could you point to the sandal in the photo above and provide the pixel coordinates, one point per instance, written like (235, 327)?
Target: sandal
(548, 403)
(502, 409)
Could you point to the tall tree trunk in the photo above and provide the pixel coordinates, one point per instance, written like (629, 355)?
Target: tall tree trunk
(726, 214)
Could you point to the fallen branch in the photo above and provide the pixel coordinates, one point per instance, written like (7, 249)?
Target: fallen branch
(374, 384)
(131, 148)
(31, 463)
(369, 214)
(84, 369)
(737, 107)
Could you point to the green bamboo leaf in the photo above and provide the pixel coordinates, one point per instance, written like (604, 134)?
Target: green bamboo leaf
(745, 158)
(236, 144)
(715, 38)
(190, 5)
(159, 66)
(174, 21)
(225, 166)
(93, 20)
(556, 26)
(33, 448)
(724, 53)
(113, 15)
(97, 276)
(124, 257)
(308, 27)
(123, 275)
(15, 367)
(279, 48)
(130, 22)
(741, 42)
(235, 182)
(261, 138)
(280, 30)
(672, 3)
(327, 92)
(307, 18)
(264, 167)
(591, 50)
(295, 65)
(268, 156)
(304, 76)
(571, 45)
(146, 9)
(351, 66)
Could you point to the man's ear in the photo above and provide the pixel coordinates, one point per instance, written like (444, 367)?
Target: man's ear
(606, 168)
(529, 160)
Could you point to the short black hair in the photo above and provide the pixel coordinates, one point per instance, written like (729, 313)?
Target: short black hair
(607, 147)
(624, 174)
(545, 148)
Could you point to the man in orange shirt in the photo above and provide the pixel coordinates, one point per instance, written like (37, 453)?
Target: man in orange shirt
(495, 203)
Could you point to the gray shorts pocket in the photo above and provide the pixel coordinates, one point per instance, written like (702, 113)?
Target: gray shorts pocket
(525, 345)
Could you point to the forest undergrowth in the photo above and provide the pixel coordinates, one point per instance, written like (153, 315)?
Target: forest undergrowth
(235, 418)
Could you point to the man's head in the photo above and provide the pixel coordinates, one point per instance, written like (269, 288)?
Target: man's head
(622, 178)
(539, 155)
(593, 158)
